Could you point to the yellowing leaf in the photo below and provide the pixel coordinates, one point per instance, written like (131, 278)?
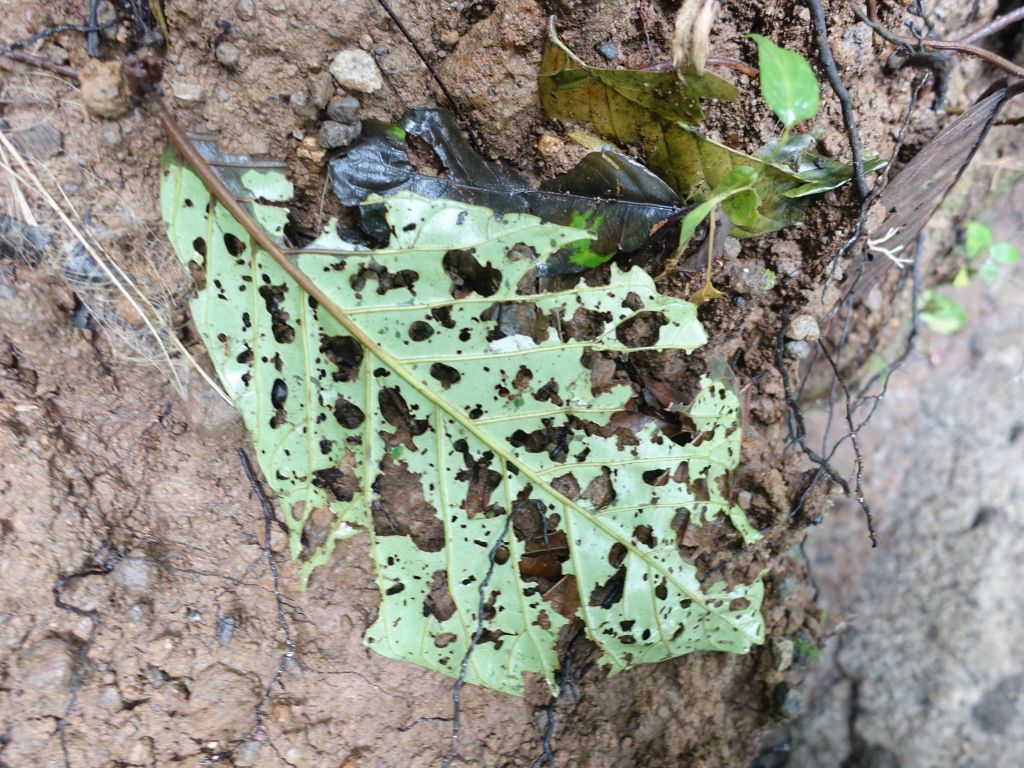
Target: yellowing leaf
(659, 114)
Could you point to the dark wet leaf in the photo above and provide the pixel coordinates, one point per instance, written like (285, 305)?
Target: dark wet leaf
(607, 194)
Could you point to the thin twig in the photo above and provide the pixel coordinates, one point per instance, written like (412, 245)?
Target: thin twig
(998, 23)
(426, 62)
(834, 79)
(941, 45)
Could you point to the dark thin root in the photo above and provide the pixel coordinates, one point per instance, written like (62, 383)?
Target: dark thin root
(834, 79)
(426, 62)
(100, 568)
(464, 667)
(797, 428)
(259, 730)
(859, 475)
(7, 48)
(92, 40)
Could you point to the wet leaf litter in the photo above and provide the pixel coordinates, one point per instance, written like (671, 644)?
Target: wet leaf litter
(510, 438)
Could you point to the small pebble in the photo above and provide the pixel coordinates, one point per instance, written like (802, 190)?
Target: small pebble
(803, 328)
(789, 701)
(225, 629)
(448, 38)
(366, 43)
(798, 349)
(333, 135)
(47, 666)
(133, 575)
(228, 55)
(102, 89)
(309, 149)
(344, 110)
(245, 10)
(355, 70)
(277, 7)
(302, 106)
(322, 90)
(110, 134)
(550, 145)
(187, 93)
(609, 50)
(82, 268)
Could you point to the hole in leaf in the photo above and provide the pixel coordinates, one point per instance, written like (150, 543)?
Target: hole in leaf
(345, 353)
(469, 275)
(235, 246)
(386, 280)
(443, 315)
(445, 374)
(278, 393)
(439, 601)
(641, 330)
(348, 414)
(199, 245)
(644, 535)
(445, 639)
(420, 331)
(395, 411)
(336, 481)
(395, 588)
(656, 477)
(553, 440)
(617, 554)
(273, 296)
(609, 593)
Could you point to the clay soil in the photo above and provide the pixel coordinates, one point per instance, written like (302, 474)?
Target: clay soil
(139, 621)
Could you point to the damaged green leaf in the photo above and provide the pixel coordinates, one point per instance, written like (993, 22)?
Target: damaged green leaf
(436, 364)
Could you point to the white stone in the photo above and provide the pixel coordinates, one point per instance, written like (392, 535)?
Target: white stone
(803, 328)
(515, 343)
(355, 70)
(187, 93)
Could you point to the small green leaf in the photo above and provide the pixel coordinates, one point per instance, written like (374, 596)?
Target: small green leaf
(977, 238)
(788, 83)
(693, 220)
(942, 314)
(769, 279)
(1004, 253)
(741, 208)
(963, 277)
(989, 272)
